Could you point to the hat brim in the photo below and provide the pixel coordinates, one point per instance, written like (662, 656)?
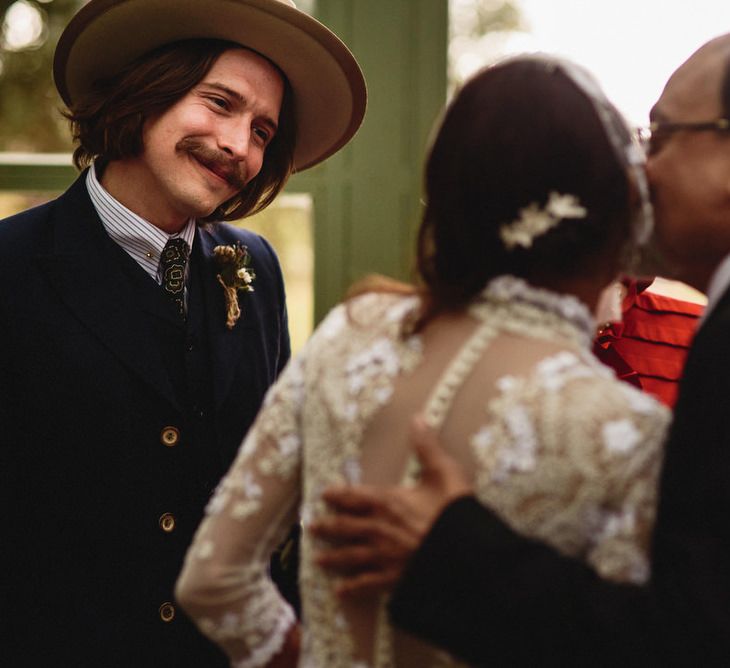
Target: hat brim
(328, 85)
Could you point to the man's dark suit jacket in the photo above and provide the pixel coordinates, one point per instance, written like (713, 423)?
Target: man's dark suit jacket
(500, 599)
(117, 419)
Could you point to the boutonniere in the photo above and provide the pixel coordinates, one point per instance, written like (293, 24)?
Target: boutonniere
(235, 274)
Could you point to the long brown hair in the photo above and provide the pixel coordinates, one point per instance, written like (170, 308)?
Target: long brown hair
(515, 133)
(108, 121)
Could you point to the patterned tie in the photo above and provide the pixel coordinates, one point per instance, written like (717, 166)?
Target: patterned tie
(172, 267)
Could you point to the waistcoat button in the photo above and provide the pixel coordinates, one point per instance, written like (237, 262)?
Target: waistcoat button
(167, 612)
(167, 522)
(170, 436)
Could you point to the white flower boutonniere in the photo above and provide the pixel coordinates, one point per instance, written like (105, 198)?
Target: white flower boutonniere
(535, 221)
(235, 274)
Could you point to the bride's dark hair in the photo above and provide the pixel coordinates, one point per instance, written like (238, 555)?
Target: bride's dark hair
(514, 133)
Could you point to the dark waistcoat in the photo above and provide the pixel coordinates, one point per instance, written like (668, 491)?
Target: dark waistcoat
(116, 422)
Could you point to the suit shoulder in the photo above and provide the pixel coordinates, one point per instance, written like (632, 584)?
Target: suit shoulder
(24, 230)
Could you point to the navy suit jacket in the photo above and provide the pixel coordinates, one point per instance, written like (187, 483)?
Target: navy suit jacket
(502, 599)
(89, 463)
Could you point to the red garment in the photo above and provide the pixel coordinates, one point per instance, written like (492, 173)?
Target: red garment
(649, 347)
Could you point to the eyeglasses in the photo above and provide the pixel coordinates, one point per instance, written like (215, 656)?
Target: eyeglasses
(652, 137)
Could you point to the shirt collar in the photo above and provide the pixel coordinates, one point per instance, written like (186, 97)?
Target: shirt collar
(139, 238)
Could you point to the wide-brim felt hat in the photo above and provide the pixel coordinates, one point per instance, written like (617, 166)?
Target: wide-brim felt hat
(327, 83)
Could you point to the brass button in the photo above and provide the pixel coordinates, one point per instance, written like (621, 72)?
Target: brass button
(167, 522)
(169, 436)
(167, 612)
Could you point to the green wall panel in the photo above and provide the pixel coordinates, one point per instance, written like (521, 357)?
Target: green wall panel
(39, 172)
(367, 207)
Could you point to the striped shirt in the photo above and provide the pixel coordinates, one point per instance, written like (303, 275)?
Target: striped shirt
(140, 239)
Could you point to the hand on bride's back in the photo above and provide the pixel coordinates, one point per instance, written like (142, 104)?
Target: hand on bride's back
(375, 531)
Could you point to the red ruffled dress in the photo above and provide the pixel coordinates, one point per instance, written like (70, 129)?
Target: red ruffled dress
(648, 349)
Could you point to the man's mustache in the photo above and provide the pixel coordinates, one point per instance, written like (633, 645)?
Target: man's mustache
(216, 161)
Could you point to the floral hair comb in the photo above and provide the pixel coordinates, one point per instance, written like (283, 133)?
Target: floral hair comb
(534, 221)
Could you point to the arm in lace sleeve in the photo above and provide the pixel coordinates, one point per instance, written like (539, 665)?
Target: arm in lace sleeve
(225, 585)
(625, 430)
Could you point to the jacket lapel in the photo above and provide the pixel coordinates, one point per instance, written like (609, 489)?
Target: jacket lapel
(226, 344)
(83, 268)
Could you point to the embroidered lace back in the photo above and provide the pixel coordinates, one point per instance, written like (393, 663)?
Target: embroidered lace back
(558, 447)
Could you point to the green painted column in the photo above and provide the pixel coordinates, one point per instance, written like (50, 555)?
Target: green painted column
(367, 197)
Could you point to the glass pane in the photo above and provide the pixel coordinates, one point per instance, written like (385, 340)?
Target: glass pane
(29, 103)
(15, 202)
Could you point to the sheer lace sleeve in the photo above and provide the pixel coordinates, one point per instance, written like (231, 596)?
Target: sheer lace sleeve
(572, 457)
(628, 437)
(225, 585)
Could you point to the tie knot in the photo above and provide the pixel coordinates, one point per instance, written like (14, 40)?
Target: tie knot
(172, 268)
(175, 251)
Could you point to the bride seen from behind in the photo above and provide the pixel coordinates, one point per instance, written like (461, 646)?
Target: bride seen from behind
(534, 200)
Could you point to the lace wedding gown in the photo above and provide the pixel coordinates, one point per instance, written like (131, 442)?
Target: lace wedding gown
(560, 448)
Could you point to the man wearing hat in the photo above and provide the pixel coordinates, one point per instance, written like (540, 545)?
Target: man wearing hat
(140, 334)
